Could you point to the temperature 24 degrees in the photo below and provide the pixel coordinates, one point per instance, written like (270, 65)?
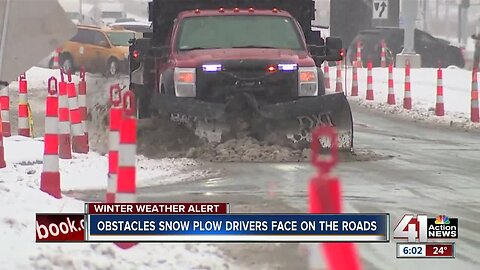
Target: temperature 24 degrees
(427, 250)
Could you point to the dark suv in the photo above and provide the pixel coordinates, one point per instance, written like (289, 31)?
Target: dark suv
(434, 51)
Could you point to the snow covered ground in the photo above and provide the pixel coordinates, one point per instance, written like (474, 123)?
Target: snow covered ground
(21, 199)
(89, 171)
(456, 91)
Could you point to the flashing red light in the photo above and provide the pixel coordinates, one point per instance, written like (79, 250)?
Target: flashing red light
(197, 10)
(251, 10)
(236, 10)
(342, 53)
(275, 10)
(271, 69)
(221, 10)
(136, 54)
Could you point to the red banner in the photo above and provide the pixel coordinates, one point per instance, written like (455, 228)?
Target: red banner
(60, 228)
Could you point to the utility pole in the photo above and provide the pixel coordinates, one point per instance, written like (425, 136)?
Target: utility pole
(463, 22)
(408, 16)
(80, 11)
(424, 7)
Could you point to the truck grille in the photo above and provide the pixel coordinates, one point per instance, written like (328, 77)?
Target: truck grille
(249, 76)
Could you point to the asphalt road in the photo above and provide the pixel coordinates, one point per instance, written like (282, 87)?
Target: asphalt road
(427, 170)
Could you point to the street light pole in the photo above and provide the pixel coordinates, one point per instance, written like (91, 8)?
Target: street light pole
(82, 19)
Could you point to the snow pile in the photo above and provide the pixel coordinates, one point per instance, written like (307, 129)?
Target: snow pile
(89, 171)
(37, 77)
(456, 91)
(19, 189)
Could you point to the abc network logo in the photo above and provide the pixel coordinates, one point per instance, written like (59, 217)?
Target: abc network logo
(422, 228)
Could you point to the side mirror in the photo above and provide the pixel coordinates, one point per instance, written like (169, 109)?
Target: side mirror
(334, 51)
(318, 51)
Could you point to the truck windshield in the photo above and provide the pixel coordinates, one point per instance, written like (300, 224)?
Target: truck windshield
(209, 32)
(120, 38)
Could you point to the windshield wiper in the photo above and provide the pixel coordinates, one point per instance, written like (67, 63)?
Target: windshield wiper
(197, 48)
(254, 46)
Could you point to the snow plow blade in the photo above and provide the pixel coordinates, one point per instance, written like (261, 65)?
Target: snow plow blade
(291, 121)
(298, 118)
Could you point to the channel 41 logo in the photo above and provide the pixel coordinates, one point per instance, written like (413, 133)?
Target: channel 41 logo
(423, 228)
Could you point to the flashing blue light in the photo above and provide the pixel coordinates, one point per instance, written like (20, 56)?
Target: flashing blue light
(287, 67)
(212, 67)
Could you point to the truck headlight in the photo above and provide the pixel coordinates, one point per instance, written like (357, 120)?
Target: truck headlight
(307, 81)
(184, 79)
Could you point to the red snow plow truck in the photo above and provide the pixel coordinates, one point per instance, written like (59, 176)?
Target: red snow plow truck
(238, 67)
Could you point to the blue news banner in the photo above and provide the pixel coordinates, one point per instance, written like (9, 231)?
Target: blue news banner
(238, 228)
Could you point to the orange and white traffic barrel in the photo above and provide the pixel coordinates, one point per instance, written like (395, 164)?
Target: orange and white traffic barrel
(76, 127)
(65, 145)
(116, 113)
(439, 105)
(369, 81)
(23, 114)
(407, 96)
(82, 106)
(127, 152)
(50, 177)
(5, 110)
(391, 90)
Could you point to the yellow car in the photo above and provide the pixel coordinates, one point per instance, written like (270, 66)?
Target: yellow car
(99, 50)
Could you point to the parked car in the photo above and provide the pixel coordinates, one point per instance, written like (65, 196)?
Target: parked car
(434, 51)
(97, 49)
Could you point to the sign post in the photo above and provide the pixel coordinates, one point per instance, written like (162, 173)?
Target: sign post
(385, 13)
(380, 9)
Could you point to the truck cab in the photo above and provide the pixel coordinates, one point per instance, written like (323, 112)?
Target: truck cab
(211, 59)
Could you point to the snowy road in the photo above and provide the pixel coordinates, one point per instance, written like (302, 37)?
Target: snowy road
(429, 171)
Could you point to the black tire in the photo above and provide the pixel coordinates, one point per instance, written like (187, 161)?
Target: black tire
(66, 63)
(112, 67)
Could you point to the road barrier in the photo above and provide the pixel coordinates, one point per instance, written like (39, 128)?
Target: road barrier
(407, 96)
(369, 81)
(354, 81)
(383, 54)
(127, 150)
(75, 117)
(338, 83)
(127, 156)
(116, 113)
(50, 177)
(2, 149)
(65, 145)
(23, 123)
(474, 111)
(326, 75)
(5, 110)
(325, 196)
(391, 91)
(358, 56)
(56, 56)
(439, 105)
(82, 106)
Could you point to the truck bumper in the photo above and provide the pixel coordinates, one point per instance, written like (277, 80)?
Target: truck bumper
(286, 110)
